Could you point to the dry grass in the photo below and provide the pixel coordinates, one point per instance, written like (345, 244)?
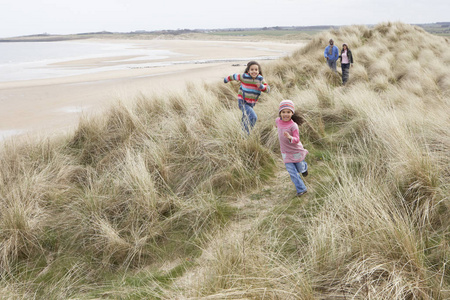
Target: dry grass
(103, 212)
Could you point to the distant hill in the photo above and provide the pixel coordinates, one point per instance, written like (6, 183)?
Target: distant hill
(439, 28)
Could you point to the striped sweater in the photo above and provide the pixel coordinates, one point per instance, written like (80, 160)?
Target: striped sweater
(250, 88)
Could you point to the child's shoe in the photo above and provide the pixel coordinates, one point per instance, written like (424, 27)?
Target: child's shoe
(301, 194)
(304, 174)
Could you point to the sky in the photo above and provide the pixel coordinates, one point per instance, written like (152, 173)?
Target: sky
(28, 17)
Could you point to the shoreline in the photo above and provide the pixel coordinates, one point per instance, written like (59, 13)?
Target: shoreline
(54, 105)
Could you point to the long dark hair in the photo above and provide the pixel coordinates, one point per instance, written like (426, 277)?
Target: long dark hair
(342, 51)
(296, 117)
(251, 63)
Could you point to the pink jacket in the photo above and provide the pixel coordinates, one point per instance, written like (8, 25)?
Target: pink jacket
(291, 151)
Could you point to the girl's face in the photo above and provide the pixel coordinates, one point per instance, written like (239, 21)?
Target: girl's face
(345, 47)
(253, 70)
(286, 114)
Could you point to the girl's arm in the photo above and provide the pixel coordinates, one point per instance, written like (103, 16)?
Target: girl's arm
(294, 138)
(264, 87)
(234, 77)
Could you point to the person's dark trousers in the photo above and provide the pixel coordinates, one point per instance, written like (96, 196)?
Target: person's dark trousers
(345, 73)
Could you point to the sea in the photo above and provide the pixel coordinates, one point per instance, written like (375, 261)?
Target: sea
(33, 60)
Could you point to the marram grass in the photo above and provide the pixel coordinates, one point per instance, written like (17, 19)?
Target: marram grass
(166, 197)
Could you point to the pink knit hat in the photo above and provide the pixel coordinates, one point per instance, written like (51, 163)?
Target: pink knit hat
(286, 104)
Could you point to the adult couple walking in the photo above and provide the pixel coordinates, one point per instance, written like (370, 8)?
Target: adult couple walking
(331, 54)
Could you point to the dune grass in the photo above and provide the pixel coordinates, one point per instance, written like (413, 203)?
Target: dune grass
(167, 198)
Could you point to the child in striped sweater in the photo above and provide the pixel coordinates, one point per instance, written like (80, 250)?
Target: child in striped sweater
(252, 84)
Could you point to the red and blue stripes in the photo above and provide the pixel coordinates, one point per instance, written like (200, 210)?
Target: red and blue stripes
(250, 88)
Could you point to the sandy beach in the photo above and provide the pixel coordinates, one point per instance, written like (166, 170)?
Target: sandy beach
(53, 105)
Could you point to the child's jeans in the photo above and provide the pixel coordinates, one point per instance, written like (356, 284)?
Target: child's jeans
(249, 116)
(294, 169)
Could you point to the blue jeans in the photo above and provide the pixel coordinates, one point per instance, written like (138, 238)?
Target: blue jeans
(332, 64)
(294, 169)
(249, 116)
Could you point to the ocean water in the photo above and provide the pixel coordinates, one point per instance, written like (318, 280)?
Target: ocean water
(32, 60)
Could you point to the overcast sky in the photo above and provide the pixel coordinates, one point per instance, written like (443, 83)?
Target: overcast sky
(27, 17)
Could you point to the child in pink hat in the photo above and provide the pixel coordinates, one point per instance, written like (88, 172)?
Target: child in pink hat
(291, 148)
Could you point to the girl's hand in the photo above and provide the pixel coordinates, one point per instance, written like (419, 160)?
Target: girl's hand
(261, 85)
(287, 135)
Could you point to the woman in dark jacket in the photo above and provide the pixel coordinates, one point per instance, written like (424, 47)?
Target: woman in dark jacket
(346, 62)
